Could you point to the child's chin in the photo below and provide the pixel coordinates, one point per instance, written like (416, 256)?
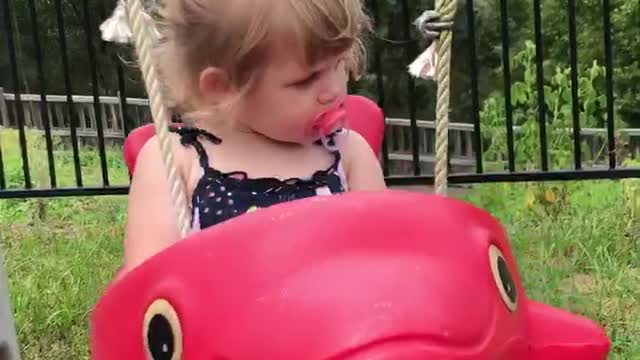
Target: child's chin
(293, 140)
(308, 141)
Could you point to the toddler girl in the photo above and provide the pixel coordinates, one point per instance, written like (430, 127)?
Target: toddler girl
(256, 82)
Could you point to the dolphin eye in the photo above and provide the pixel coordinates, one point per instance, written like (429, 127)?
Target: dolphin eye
(502, 276)
(162, 332)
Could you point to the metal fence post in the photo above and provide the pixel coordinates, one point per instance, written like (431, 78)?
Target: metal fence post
(4, 114)
(9, 349)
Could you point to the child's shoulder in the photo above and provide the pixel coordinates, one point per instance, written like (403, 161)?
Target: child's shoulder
(360, 161)
(351, 144)
(152, 146)
(151, 154)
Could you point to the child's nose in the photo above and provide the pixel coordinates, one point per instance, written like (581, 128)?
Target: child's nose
(327, 97)
(332, 88)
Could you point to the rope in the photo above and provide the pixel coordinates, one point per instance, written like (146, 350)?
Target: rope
(144, 35)
(447, 11)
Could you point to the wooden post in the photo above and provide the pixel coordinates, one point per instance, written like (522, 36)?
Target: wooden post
(4, 114)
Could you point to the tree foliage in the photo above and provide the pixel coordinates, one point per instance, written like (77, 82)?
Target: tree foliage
(397, 41)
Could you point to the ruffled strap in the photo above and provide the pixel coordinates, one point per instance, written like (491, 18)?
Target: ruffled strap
(190, 136)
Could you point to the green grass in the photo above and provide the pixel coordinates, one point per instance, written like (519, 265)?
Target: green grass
(581, 252)
(63, 160)
(577, 248)
(59, 253)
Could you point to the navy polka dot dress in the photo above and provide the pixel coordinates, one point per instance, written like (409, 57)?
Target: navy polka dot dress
(220, 196)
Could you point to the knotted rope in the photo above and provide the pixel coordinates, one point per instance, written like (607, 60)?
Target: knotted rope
(144, 35)
(435, 61)
(447, 10)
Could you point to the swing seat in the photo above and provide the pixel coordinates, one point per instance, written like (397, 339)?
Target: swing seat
(364, 117)
(331, 278)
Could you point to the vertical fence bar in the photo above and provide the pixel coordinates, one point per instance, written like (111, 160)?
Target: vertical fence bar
(415, 139)
(44, 110)
(18, 102)
(608, 49)
(4, 111)
(542, 105)
(377, 65)
(473, 66)
(73, 115)
(95, 89)
(575, 100)
(5, 120)
(3, 183)
(123, 98)
(506, 68)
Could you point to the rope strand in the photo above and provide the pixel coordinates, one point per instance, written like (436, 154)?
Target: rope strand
(447, 10)
(143, 40)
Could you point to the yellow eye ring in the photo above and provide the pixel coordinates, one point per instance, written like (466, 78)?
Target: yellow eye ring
(503, 279)
(162, 332)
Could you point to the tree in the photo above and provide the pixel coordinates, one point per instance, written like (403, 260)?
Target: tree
(397, 51)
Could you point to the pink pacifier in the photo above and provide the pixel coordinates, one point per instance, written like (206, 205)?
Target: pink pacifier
(329, 121)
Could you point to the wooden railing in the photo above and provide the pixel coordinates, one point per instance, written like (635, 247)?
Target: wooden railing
(399, 136)
(84, 107)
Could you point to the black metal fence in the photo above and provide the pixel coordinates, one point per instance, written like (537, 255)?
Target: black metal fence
(467, 58)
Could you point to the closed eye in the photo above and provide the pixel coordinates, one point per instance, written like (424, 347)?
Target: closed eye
(340, 62)
(306, 81)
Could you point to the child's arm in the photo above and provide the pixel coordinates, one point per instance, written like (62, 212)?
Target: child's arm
(151, 218)
(361, 164)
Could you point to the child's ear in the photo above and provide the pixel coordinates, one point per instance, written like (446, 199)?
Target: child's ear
(215, 85)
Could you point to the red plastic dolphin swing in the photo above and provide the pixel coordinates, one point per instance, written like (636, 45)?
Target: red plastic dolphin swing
(391, 275)
(388, 275)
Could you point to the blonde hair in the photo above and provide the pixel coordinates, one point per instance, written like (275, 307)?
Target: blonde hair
(235, 35)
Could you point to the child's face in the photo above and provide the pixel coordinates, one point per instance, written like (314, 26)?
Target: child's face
(289, 94)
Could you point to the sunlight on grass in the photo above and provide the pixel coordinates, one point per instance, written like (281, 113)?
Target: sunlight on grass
(577, 245)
